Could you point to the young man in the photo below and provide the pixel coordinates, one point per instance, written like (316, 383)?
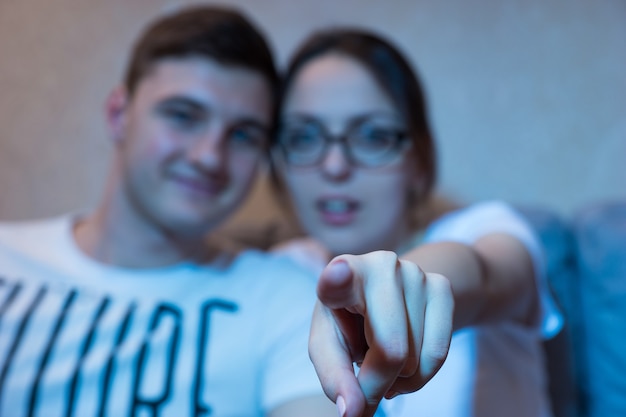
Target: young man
(127, 311)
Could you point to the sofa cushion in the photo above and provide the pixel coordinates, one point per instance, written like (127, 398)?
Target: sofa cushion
(562, 356)
(600, 232)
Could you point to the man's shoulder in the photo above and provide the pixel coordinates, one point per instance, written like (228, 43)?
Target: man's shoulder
(277, 274)
(27, 234)
(268, 263)
(33, 242)
(27, 248)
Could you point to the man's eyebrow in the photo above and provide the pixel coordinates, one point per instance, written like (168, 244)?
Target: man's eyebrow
(199, 106)
(194, 104)
(250, 122)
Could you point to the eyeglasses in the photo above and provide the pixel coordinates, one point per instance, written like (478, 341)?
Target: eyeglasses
(367, 143)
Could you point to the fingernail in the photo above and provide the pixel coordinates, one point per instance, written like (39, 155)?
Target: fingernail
(340, 270)
(341, 406)
(391, 394)
(340, 265)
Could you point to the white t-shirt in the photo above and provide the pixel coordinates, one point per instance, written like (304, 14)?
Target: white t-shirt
(492, 370)
(79, 338)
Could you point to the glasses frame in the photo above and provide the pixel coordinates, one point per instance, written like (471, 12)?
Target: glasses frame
(401, 137)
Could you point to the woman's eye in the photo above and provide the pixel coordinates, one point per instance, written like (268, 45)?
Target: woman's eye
(375, 137)
(301, 137)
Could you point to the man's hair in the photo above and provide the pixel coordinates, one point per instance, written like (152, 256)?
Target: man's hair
(212, 32)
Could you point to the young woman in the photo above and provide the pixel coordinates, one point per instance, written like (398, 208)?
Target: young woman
(356, 157)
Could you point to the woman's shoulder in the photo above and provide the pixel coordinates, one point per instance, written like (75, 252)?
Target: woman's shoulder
(473, 221)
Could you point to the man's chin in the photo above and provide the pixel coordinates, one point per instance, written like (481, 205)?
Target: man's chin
(192, 226)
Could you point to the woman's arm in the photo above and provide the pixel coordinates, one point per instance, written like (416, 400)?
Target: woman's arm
(492, 279)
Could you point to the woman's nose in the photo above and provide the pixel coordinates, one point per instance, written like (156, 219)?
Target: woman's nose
(335, 164)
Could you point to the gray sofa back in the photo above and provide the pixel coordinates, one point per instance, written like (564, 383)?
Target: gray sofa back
(586, 266)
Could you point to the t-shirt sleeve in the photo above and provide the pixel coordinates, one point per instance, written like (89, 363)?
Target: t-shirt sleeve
(470, 224)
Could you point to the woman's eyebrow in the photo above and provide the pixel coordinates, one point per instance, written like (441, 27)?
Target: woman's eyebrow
(375, 114)
(300, 117)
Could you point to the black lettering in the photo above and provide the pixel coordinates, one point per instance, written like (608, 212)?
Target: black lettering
(201, 409)
(84, 350)
(9, 298)
(46, 356)
(20, 330)
(154, 404)
(106, 382)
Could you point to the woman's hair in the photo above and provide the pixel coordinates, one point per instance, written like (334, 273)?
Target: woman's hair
(393, 73)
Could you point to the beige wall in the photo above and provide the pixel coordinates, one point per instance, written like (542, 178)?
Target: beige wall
(528, 97)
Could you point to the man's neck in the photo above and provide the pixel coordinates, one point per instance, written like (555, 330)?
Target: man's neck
(108, 240)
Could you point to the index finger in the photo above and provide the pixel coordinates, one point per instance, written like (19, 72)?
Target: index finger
(334, 364)
(386, 326)
(336, 287)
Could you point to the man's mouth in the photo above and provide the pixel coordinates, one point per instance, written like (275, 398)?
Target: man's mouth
(200, 186)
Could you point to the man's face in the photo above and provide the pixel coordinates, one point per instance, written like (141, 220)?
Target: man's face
(190, 141)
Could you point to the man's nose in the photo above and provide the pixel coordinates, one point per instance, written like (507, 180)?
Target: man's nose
(208, 150)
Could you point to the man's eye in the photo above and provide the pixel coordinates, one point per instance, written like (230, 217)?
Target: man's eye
(247, 137)
(182, 118)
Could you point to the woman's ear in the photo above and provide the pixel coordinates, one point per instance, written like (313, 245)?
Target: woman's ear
(418, 186)
(418, 203)
(115, 110)
(416, 181)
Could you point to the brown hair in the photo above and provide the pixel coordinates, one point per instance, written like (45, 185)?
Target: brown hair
(218, 33)
(394, 74)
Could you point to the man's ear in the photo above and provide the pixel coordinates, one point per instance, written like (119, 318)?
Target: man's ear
(116, 107)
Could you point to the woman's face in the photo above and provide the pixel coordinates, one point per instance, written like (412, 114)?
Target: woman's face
(348, 206)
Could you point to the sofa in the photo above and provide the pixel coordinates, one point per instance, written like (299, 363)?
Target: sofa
(586, 269)
(586, 266)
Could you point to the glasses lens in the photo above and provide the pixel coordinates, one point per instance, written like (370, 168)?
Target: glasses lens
(374, 145)
(302, 143)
